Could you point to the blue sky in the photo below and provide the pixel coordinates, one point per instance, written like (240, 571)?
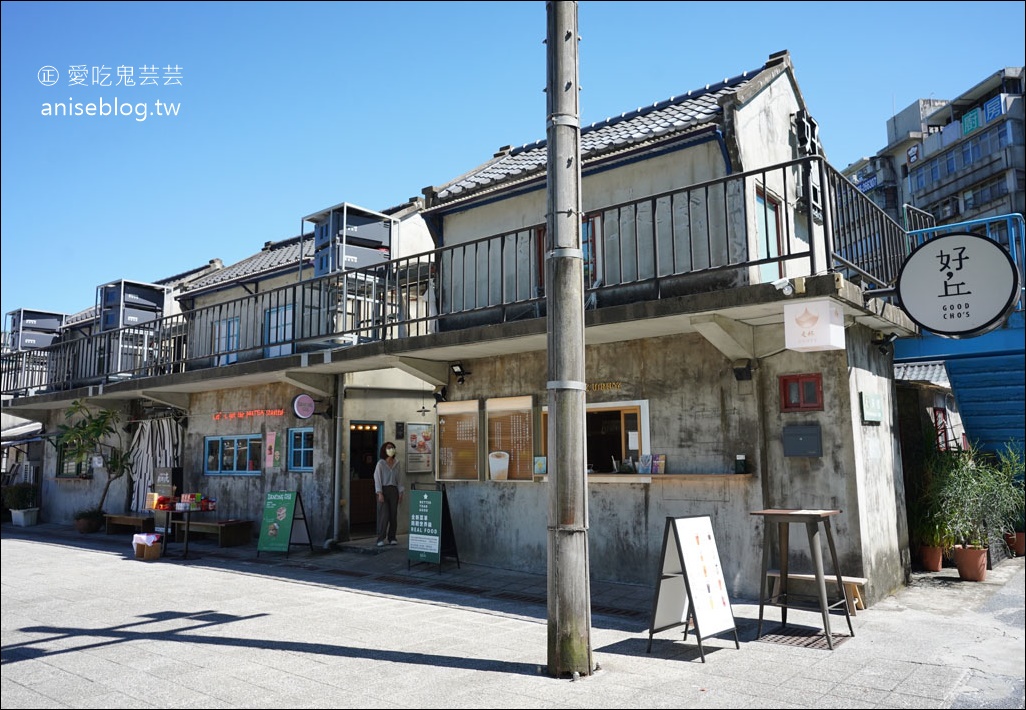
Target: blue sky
(286, 108)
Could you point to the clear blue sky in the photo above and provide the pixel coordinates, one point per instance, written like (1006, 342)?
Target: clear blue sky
(287, 108)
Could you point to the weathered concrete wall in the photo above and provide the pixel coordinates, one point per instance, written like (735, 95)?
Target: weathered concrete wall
(242, 495)
(62, 497)
(701, 417)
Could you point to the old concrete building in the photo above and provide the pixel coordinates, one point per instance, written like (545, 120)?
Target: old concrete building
(731, 348)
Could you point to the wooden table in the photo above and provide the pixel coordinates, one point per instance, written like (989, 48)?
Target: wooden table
(812, 519)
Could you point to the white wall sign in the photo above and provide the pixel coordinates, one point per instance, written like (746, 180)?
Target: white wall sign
(958, 285)
(814, 325)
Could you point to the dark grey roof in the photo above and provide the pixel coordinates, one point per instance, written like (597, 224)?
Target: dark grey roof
(269, 261)
(670, 119)
(933, 372)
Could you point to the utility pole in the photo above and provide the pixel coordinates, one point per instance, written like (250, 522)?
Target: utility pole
(569, 586)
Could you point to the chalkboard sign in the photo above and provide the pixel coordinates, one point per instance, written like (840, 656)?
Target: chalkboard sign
(431, 533)
(690, 590)
(281, 511)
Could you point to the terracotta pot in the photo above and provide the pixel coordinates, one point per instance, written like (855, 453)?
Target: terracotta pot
(1017, 542)
(932, 558)
(88, 525)
(971, 563)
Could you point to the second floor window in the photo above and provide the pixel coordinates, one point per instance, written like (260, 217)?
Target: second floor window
(225, 338)
(278, 331)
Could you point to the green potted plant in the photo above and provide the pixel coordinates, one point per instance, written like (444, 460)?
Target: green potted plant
(929, 527)
(95, 437)
(20, 499)
(979, 498)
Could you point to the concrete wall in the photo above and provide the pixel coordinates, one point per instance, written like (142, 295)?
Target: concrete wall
(243, 495)
(700, 416)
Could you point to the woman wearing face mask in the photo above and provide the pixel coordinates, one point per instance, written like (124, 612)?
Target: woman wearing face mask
(389, 488)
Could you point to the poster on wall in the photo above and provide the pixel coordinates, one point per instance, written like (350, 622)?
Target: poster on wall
(419, 447)
(272, 445)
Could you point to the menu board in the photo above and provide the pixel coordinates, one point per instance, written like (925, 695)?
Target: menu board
(276, 524)
(457, 440)
(425, 526)
(510, 445)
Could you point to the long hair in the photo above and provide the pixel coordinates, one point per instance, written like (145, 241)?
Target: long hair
(384, 446)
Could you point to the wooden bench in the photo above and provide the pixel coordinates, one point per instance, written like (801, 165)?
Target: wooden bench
(228, 533)
(852, 593)
(129, 523)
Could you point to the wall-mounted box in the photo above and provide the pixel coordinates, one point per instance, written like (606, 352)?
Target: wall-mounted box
(803, 440)
(114, 318)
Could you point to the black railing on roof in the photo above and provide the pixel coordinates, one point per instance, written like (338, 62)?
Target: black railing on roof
(794, 219)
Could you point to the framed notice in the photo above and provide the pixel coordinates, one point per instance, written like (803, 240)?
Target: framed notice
(458, 440)
(509, 444)
(420, 442)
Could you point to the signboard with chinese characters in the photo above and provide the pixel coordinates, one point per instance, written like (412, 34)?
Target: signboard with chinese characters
(813, 326)
(425, 526)
(958, 285)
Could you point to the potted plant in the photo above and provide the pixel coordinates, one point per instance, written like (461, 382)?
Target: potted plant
(94, 437)
(89, 520)
(20, 499)
(979, 498)
(1010, 471)
(929, 527)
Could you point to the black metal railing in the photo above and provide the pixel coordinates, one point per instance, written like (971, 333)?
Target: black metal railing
(794, 219)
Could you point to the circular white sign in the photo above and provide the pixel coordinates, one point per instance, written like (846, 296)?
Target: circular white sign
(303, 406)
(958, 285)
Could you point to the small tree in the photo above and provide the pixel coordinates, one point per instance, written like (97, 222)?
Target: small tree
(96, 433)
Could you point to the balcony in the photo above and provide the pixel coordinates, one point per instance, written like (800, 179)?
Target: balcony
(694, 250)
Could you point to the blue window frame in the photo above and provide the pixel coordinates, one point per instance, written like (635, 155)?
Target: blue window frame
(232, 455)
(301, 449)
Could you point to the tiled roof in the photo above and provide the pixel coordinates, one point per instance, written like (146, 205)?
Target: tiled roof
(932, 372)
(672, 118)
(272, 258)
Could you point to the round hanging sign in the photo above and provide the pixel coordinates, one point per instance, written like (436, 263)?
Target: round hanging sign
(958, 285)
(303, 406)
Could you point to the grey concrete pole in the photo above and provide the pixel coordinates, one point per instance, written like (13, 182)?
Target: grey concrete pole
(569, 588)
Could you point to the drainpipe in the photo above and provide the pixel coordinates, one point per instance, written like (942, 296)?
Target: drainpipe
(723, 149)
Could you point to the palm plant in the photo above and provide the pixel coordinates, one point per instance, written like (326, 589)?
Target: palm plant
(96, 433)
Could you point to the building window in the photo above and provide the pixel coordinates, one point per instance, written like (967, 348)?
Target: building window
(510, 444)
(767, 231)
(225, 338)
(940, 427)
(278, 331)
(232, 454)
(591, 239)
(614, 433)
(301, 449)
(67, 467)
(801, 393)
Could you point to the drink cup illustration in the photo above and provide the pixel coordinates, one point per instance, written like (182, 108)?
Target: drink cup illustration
(498, 465)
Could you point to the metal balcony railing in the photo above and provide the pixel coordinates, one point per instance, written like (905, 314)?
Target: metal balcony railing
(793, 219)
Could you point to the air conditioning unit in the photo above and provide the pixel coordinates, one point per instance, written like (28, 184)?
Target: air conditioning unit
(949, 209)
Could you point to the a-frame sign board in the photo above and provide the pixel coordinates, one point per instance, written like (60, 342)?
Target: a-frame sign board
(278, 530)
(432, 536)
(690, 590)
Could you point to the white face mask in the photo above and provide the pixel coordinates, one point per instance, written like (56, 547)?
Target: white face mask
(390, 451)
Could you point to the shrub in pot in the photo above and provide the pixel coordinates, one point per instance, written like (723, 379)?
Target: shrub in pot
(19, 496)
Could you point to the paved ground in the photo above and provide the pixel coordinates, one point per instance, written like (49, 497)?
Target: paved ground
(84, 624)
